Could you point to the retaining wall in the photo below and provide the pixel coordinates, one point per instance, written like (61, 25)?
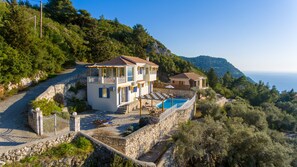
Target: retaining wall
(36, 147)
(176, 92)
(102, 156)
(142, 140)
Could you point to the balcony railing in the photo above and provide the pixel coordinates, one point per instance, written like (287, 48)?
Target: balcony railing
(93, 79)
(121, 80)
(106, 80)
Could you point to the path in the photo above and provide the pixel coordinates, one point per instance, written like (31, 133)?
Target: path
(13, 117)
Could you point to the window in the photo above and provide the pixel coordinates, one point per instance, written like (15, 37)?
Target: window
(130, 73)
(104, 93)
(181, 82)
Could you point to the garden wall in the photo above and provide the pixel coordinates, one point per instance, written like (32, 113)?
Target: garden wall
(102, 156)
(36, 147)
(142, 140)
(176, 92)
(62, 87)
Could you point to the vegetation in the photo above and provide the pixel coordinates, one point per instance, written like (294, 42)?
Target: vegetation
(235, 135)
(120, 162)
(252, 130)
(48, 107)
(80, 148)
(71, 35)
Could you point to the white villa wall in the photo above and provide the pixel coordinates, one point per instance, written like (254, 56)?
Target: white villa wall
(144, 90)
(103, 104)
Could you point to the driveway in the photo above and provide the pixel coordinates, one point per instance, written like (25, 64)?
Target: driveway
(13, 111)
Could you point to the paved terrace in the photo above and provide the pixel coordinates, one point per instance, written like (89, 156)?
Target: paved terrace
(118, 123)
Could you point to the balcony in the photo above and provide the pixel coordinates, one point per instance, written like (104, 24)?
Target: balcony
(150, 77)
(106, 80)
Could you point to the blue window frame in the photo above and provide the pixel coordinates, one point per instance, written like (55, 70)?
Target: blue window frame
(104, 93)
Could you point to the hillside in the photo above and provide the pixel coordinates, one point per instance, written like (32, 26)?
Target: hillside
(220, 65)
(71, 35)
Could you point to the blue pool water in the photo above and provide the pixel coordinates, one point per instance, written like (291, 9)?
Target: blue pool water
(171, 102)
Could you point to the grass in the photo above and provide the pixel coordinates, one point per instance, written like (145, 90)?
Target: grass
(80, 147)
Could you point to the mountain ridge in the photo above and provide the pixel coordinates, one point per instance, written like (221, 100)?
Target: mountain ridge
(220, 65)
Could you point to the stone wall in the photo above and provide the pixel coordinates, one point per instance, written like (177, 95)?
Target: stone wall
(142, 140)
(145, 138)
(176, 92)
(36, 147)
(102, 156)
(62, 87)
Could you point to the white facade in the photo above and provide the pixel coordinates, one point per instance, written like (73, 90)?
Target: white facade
(114, 86)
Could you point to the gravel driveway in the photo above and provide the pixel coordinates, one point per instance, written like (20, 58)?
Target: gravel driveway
(13, 117)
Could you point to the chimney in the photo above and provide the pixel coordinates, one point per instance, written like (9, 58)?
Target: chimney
(147, 58)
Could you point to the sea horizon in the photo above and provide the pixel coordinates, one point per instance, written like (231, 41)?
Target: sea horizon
(282, 80)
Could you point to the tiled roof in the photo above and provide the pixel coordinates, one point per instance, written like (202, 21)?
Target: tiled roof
(116, 61)
(188, 75)
(125, 60)
(139, 60)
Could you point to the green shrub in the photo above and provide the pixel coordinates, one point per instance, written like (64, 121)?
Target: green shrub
(121, 162)
(77, 105)
(84, 144)
(48, 107)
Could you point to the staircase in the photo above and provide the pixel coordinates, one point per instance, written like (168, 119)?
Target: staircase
(122, 109)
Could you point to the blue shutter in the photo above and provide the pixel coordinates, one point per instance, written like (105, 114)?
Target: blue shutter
(100, 92)
(108, 93)
(135, 89)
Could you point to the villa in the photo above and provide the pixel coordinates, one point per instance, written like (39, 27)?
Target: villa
(120, 81)
(188, 80)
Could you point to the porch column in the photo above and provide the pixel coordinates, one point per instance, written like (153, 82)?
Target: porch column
(140, 109)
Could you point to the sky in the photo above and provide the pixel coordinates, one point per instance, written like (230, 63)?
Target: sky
(254, 35)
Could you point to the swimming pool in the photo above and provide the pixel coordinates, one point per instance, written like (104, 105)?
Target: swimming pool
(171, 102)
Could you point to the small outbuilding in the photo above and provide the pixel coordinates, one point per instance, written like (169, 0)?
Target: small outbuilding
(188, 80)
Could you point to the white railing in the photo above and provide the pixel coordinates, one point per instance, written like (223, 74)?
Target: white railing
(188, 103)
(107, 80)
(168, 112)
(174, 108)
(121, 80)
(93, 79)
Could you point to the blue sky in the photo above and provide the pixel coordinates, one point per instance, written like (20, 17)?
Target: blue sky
(254, 35)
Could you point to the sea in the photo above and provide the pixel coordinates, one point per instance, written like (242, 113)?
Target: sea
(282, 81)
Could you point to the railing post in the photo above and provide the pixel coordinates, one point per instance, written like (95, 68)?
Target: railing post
(74, 122)
(39, 121)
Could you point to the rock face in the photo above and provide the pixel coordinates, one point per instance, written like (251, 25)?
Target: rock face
(80, 95)
(26, 82)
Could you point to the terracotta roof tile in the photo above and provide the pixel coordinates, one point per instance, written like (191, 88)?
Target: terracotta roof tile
(139, 60)
(124, 60)
(188, 75)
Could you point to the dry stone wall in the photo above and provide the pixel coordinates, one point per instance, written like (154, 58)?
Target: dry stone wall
(36, 147)
(102, 156)
(142, 140)
(176, 92)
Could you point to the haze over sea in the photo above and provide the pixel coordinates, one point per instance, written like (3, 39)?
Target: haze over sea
(282, 80)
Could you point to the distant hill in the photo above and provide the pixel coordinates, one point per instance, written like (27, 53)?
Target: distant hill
(220, 65)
